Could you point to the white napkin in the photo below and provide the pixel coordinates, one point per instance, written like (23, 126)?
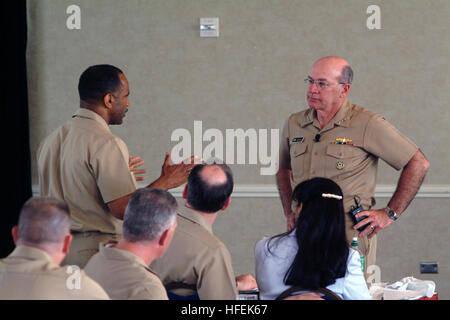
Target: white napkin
(406, 288)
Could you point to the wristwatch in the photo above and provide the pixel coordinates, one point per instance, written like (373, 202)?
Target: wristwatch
(391, 213)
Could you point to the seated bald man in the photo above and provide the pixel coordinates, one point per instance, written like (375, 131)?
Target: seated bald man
(32, 271)
(197, 264)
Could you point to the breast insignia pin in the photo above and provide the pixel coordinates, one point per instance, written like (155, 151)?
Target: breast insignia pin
(343, 141)
(340, 165)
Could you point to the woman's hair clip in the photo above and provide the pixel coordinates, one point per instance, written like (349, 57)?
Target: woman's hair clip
(330, 195)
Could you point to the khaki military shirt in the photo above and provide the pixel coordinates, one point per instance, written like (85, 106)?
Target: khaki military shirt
(196, 257)
(85, 165)
(29, 273)
(351, 164)
(124, 275)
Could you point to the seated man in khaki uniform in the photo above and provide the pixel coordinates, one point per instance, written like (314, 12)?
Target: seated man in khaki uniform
(83, 164)
(32, 270)
(148, 227)
(197, 262)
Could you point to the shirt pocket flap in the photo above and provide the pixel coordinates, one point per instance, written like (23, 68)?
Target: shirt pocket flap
(336, 151)
(298, 149)
(340, 151)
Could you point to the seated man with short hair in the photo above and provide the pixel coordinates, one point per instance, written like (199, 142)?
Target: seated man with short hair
(32, 271)
(197, 262)
(148, 227)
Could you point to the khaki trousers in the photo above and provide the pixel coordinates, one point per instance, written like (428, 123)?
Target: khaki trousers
(84, 245)
(368, 247)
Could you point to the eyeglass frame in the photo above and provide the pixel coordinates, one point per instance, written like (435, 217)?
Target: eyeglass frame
(309, 82)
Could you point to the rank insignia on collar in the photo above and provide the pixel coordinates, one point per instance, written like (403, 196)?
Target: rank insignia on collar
(343, 141)
(298, 139)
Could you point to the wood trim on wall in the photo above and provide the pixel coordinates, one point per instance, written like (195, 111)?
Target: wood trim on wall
(271, 191)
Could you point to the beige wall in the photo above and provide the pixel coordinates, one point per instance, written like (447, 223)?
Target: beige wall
(251, 77)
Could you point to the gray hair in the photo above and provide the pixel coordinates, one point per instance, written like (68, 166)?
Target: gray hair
(346, 75)
(148, 214)
(43, 221)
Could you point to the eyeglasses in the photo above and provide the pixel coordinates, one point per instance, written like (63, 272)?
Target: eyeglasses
(320, 83)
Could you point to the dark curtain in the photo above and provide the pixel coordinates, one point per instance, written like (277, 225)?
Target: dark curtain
(14, 99)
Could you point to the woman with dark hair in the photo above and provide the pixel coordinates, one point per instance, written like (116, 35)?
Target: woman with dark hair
(316, 253)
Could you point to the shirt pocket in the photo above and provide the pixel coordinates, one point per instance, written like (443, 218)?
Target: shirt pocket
(343, 158)
(298, 155)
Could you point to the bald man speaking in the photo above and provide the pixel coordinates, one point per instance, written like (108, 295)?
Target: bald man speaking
(339, 140)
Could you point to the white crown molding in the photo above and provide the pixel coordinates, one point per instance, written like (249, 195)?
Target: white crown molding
(271, 191)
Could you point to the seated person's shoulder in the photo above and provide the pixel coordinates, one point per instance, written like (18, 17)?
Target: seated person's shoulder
(150, 288)
(208, 242)
(188, 231)
(91, 289)
(278, 245)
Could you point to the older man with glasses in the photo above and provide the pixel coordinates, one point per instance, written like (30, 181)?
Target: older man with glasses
(342, 141)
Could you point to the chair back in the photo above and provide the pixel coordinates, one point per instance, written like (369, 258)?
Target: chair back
(326, 293)
(181, 285)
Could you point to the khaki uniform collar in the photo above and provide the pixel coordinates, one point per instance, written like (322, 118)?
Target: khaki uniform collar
(307, 117)
(339, 119)
(31, 253)
(89, 114)
(122, 255)
(194, 217)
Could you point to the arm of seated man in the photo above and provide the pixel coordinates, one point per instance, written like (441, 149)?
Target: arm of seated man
(246, 282)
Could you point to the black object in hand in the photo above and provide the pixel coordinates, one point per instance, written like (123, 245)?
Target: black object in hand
(354, 210)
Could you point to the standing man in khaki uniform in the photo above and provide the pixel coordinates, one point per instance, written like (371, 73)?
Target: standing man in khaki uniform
(89, 168)
(32, 270)
(342, 141)
(197, 262)
(148, 227)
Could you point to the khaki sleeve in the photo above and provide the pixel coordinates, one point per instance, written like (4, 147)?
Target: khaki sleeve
(216, 280)
(384, 141)
(110, 166)
(284, 155)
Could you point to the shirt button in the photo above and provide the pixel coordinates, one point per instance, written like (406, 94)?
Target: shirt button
(316, 153)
